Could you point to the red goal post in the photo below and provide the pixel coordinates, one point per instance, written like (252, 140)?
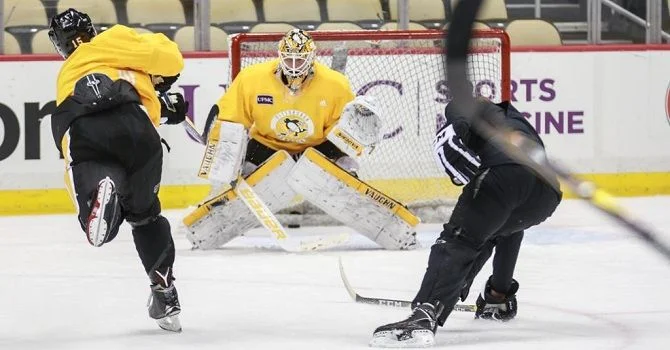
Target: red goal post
(405, 71)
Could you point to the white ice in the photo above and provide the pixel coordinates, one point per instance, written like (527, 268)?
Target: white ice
(585, 284)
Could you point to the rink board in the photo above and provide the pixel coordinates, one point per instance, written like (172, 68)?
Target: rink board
(604, 113)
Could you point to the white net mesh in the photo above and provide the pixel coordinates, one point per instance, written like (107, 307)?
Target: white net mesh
(408, 78)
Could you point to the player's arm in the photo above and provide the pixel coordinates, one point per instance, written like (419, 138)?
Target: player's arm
(153, 54)
(162, 56)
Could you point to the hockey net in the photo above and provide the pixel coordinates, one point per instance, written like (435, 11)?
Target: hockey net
(405, 70)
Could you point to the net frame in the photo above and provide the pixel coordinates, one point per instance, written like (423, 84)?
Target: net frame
(236, 41)
(431, 207)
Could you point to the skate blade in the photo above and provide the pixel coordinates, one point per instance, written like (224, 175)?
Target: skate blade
(97, 226)
(170, 323)
(389, 339)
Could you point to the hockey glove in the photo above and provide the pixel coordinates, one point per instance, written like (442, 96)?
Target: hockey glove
(457, 160)
(163, 84)
(173, 107)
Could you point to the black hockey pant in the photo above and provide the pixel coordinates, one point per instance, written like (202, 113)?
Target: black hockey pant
(123, 144)
(501, 201)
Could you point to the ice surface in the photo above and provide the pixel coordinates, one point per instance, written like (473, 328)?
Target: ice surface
(585, 284)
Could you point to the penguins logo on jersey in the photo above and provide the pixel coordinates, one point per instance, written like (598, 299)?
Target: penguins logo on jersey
(292, 126)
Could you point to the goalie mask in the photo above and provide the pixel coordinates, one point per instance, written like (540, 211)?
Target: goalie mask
(296, 57)
(70, 29)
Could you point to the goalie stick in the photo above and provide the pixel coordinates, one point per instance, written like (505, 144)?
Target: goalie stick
(519, 147)
(387, 302)
(272, 224)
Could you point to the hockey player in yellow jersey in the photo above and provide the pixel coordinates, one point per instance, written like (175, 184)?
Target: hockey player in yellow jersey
(279, 111)
(289, 103)
(105, 127)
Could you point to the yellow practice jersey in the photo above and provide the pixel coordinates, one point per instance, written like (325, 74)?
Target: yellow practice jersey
(278, 119)
(121, 53)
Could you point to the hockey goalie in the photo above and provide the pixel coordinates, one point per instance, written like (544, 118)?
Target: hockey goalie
(292, 128)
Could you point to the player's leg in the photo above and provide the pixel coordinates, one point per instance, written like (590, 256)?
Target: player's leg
(93, 179)
(483, 256)
(498, 299)
(94, 187)
(151, 231)
(482, 209)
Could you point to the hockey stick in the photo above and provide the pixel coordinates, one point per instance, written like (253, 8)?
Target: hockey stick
(387, 302)
(520, 148)
(272, 224)
(187, 123)
(193, 132)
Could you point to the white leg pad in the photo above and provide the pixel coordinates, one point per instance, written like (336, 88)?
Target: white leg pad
(353, 202)
(225, 216)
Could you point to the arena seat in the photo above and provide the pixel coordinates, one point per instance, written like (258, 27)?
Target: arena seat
(430, 13)
(272, 28)
(224, 11)
(12, 46)
(291, 11)
(490, 10)
(164, 17)
(338, 26)
(366, 13)
(23, 18)
(410, 43)
(185, 39)
(41, 43)
(524, 32)
(24, 12)
(475, 25)
(394, 26)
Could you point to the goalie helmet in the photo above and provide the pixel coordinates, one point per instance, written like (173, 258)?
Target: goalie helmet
(69, 29)
(296, 56)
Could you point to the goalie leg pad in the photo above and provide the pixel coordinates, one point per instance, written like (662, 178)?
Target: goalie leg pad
(353, 202)
(225, 216)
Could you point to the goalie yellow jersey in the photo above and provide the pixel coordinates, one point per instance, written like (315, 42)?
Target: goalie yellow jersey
(278, 119)
(121, 53)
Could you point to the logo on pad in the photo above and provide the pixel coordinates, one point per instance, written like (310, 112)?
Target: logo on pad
(264, 100)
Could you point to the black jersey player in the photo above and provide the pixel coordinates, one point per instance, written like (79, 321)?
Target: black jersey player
(501, 199)
(105, 127)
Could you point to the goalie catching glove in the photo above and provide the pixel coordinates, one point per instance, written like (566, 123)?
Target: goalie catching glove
(359, 127)
(457, 160)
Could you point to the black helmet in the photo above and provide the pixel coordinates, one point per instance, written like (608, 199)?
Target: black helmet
(69, 29)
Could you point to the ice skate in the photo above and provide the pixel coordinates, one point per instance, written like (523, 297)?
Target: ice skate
(105, 214)
(164, 305)
(417, 331)
(502, 309)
